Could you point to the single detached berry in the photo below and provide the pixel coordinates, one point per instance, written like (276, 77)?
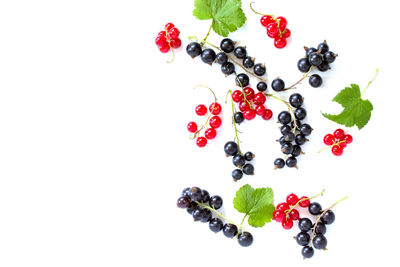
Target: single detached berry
(262, 86)
(278, 85)
(315, 80)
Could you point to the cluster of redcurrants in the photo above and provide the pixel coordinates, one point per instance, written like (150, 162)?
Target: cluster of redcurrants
(276, 29)
(240, 161)
(285, 215)
(292, 131)
(251, 104)
(200, 205)
(168, 38)
(213, 120)
(320, 58)
(338, 141)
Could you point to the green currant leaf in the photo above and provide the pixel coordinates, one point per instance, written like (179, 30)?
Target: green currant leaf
(227, 15)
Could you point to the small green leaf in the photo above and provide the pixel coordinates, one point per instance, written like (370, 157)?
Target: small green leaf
(227, 15)
(255, 203)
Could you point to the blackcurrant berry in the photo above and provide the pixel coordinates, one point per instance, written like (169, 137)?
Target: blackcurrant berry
(248, 62)
(303, 238)
(300, 113)
(259, 69)
(230, 230)
(328, 217)
(240, 52)
(315, 208)
(310, 50)
(242, 80)
(330, 57)
(206, 216)
(193, 49)
(227, 68)
(208, 56)
(305, 129)
(238, 117)
(323, 47)
(315, 58)
(305, 224)
(185, 191)
(282, 140)
(215, 225)
(296, 150)
(237, 174)
(261, 86)
(278, 85)
(279, 163)
(249, 156)
(296, 100)
(221, 58)
(231, 148)
(300, 139)
(303, 65)
(291, 162)
(320, 241)
(324, 66)
(215, 202)
(315, 80)
(195, 194)
(191, 207)
(307, 252)
(289, 137)
(285, 129)
(298, 124)
(245, 239)
(183, 202)
(238, 160)
(248, 169)
(284, 117)
(205, 196)
(198, 214)
(320, 228)
(227, 45)
(287, 148)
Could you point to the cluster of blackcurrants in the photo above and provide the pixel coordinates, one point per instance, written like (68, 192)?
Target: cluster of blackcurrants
(293, 132)
(320, 58)
(240, 161)
(199, 204)
(227, 46)
(311, 233)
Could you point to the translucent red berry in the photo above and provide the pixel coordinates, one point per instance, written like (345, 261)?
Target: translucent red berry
(160, 41)
(210, 133)
(282, 206)
(305, 202)
(294, 215)
(337, 150)
(162, 33)
(215, 121)
(287, 223)
(265, 20)
(267, 114)
(278, 215)
(292, 199)
(280, 42)
(329, 139)
(348, 138)
(201, 110)
(237, 96)
(259, 98)
(176, 43)
(243, 106)
(201, 141)
(275, 35)
(192, 127)
(169, 26)
(282, 22)
(164, 48)
(339, 133)
(286, 33)
(260, 110)
(215, 108)
(249, 93)
(272, 29)
(249, 114)
(173, 33)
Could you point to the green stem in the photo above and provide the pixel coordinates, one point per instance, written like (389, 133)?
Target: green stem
(208, 33)
(216, 212)
(299, 81)
(244, 95)
(308, 198)
(273, 17)
(334, 144)
(375, 74)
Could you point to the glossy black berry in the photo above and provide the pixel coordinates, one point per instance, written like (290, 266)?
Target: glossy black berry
(230, 230)
(284, 117)
(321, 228)
(227, 68)
(291, 162)
(191, 207)
(242, 80)
(300, 113)
(307, 252)
(300, 139)
(193, 49)
(328, 217)
(303, 239)
(310, 50)
(231, 148)
(221, 58)
(248, 62)
(298, 124)
(249, 156)
(330, 57)
(323, 47)
(287, 148)
(238, 117)
(296, 150)
(279, 163)
(315, 80)
(248, 169)
(215, 202)
(315, 59)
(183, 202)
(261, 86)
(285, 129)
(245, 239)
(305, 129)
(215, 225)
(315, 208)
(278, 85)
(227, 45)
(198, 213)
(237, 174)
(305, 224)
(303, 65)
(185, 192)
(206, 216)
(259, 69)
(205, 196)
(296, 100)
(240, 52)
(238, 160)
(282, 140)
(195, 194)
(289, 137)
(320, 241)
(208, 56)
(324, 66)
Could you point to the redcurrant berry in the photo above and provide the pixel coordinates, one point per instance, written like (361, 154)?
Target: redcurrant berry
(201, 141)
(282, 206)
(164, 48)
(160, 41)
(280, 42)
(215, 121)
(176, 43)
(265, 20)
(282, 22)
(339, 133)
(337, 150)
(249, 114)
(260, 110)
(210, 133)
(192, 127)
(329, 139)
(215, 108)
(287, 223)
(259, 99)
(169, 26)
(305, 202)
(201, 110)
(292, 199)
(243, 106)
(162, 33)
(249, 93)
(294, 215)
(237, 96)
(342, 144)
(275, 35)
(278, 215)
(348, 138)
(267, 114)
(286, 33)
(173, 33)
(272, 29)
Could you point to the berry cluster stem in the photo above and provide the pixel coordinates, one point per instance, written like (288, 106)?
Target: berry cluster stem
(216, 212)
(234, 122)
(334, 144)
(307, 198)
(273, 17)
(369, 83)
(169, 44)
(208, 33)
(293, 86)
(289, 107)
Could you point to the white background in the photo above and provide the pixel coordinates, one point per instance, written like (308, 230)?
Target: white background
(94, 149)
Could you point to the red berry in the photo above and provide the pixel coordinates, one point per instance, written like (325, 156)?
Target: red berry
(260, 110)
(243, 106)
(337, 150)
(173, 33)
(287, 223)
(280, 42)
(160, 41)
(339, 133)
(294, 215)
(348, 138)
(215, 108)
(176, 43)
(215, 121)
(286, 33)
(305, 202)
(273, 35)
(282, 206)
(267, 114)
(279, 215)
(192, 127)
(282, 22)
(201, 141)
(169, 26)
(292, 199)
(201, 110)
(237, 96)
(259, 98)
(210, 133)
(342, 145)
(265, 20)
(249, 93)
(162, 33)
(329, 139)
(165, 48)
(249, 114)
(272, 29)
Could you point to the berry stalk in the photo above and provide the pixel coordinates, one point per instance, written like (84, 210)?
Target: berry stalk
(290, 109)
(307, 198)
(216, 212)
(293, 86)
(369, 83)
(272, 16)
(234, 122)
(334, 144)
